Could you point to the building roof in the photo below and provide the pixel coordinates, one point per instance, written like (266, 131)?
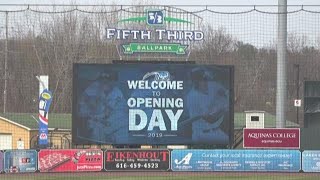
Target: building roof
(63, 121)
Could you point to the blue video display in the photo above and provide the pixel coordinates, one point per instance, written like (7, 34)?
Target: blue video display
(145, 103)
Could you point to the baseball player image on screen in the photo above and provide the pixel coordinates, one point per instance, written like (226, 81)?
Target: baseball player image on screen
(102, 106)
(207, 103)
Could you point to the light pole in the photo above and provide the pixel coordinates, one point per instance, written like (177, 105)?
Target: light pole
(297, 67)
(5, 68)
(281, 65)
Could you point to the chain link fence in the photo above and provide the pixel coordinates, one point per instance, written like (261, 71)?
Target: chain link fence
(49, 39)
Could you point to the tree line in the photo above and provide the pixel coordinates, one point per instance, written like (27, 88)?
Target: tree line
(51, 46)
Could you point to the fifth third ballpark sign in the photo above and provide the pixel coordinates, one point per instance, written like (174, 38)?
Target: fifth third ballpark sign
(288, 138)
(154, 40)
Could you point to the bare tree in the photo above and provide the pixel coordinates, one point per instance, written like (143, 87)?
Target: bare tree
(216, 43)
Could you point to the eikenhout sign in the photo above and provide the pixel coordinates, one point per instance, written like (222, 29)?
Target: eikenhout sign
(137, 160)
(285, 138)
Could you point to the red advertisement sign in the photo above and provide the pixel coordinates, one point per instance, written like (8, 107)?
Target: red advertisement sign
(71, 160)
(285, 138)
(137, 160)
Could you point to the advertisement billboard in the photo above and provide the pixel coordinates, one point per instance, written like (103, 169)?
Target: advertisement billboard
(311, 161)
(20, 161)
(71, 160)
(1, 161)
(284, 138)
(235, 160)
(144, 103)
(137, 160)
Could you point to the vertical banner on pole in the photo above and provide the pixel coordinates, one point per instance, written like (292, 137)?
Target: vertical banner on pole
(45, 99)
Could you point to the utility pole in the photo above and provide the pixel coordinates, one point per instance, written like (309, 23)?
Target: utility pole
(297, 66)
(5, 68)
(281, 65)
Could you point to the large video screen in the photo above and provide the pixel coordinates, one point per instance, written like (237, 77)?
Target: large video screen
(152, 103)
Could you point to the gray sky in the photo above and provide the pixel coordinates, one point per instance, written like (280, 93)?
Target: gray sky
(165, 2)
(255, 28)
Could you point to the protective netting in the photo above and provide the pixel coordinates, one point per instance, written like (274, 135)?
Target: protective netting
(48, 40)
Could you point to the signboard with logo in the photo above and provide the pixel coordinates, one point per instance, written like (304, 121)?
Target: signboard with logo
(158, 39)
(235, 160)
(297, 103)
(137, 160)
(72, 160)
(151, 103)
(1, 161)
(311, 161)
(20, 161)
(155, 17)
(20, 144)
(285, 138)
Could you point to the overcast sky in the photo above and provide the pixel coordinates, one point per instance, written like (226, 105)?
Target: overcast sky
(255, 28)
(164, 2)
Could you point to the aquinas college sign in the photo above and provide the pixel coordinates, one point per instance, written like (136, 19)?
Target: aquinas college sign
(155, 37)
(287, 138)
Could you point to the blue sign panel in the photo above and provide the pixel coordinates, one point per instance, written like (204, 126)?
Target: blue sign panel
(235, 160)
(19, 161)
(311, 161)
(148, 103)
(155, 17)
(1, 161)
